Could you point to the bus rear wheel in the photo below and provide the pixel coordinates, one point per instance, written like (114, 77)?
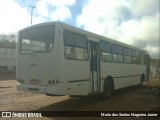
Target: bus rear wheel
(142, 79)
(108, 89)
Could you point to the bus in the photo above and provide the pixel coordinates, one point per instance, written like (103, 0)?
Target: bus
(55, 58)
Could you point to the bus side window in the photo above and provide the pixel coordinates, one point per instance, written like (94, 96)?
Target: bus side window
(75, 46)
(106, 55)
(69, 41)
(117, 52)
(142, 58)
(81, 49)
(136, 57)
(127, 55)
(69, 52)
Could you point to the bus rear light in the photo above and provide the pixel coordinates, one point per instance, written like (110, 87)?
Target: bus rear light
(53, 82)
(49, 82)
(57, 81)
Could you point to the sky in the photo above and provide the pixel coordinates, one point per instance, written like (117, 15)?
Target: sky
(135, 22)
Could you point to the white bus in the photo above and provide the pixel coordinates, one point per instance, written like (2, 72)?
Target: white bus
(59, 59)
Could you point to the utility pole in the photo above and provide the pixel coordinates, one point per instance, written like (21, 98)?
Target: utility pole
(32, 7)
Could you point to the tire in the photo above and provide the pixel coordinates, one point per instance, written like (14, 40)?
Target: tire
(108, 89)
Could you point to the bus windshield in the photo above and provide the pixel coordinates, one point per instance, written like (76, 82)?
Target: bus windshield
(37, 40)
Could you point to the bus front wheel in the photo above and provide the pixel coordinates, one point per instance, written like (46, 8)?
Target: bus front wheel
(108, 89)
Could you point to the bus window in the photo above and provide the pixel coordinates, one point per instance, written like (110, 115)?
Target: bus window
(76, 46)
(117, 52)
(37, 40)
(135, 57)
(127, 55)
(81, 41)
(106, 55)
(142, 58)
(69, 38)
(69, 52)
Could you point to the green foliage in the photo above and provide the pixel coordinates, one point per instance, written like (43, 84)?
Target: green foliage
(8, 41)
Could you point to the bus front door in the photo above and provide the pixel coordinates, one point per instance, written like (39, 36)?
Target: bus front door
(94, 67)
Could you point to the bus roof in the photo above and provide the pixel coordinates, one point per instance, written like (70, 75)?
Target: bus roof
(37, 25)
(100, 37)
(84, 32)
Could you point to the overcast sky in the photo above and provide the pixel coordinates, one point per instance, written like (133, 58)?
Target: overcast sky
(135, 22)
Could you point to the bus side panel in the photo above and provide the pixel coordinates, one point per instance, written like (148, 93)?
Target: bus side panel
(119, 73)
(138, 70)
(124, 75)
(76, 76)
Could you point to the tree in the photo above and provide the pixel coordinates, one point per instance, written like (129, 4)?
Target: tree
(3, 38)
(8, 41)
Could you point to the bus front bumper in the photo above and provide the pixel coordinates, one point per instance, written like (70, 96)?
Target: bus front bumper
(55, 90)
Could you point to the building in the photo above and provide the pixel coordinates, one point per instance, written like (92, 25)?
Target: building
(7, 59)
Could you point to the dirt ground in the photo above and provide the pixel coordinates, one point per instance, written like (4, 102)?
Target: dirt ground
(136, 98)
